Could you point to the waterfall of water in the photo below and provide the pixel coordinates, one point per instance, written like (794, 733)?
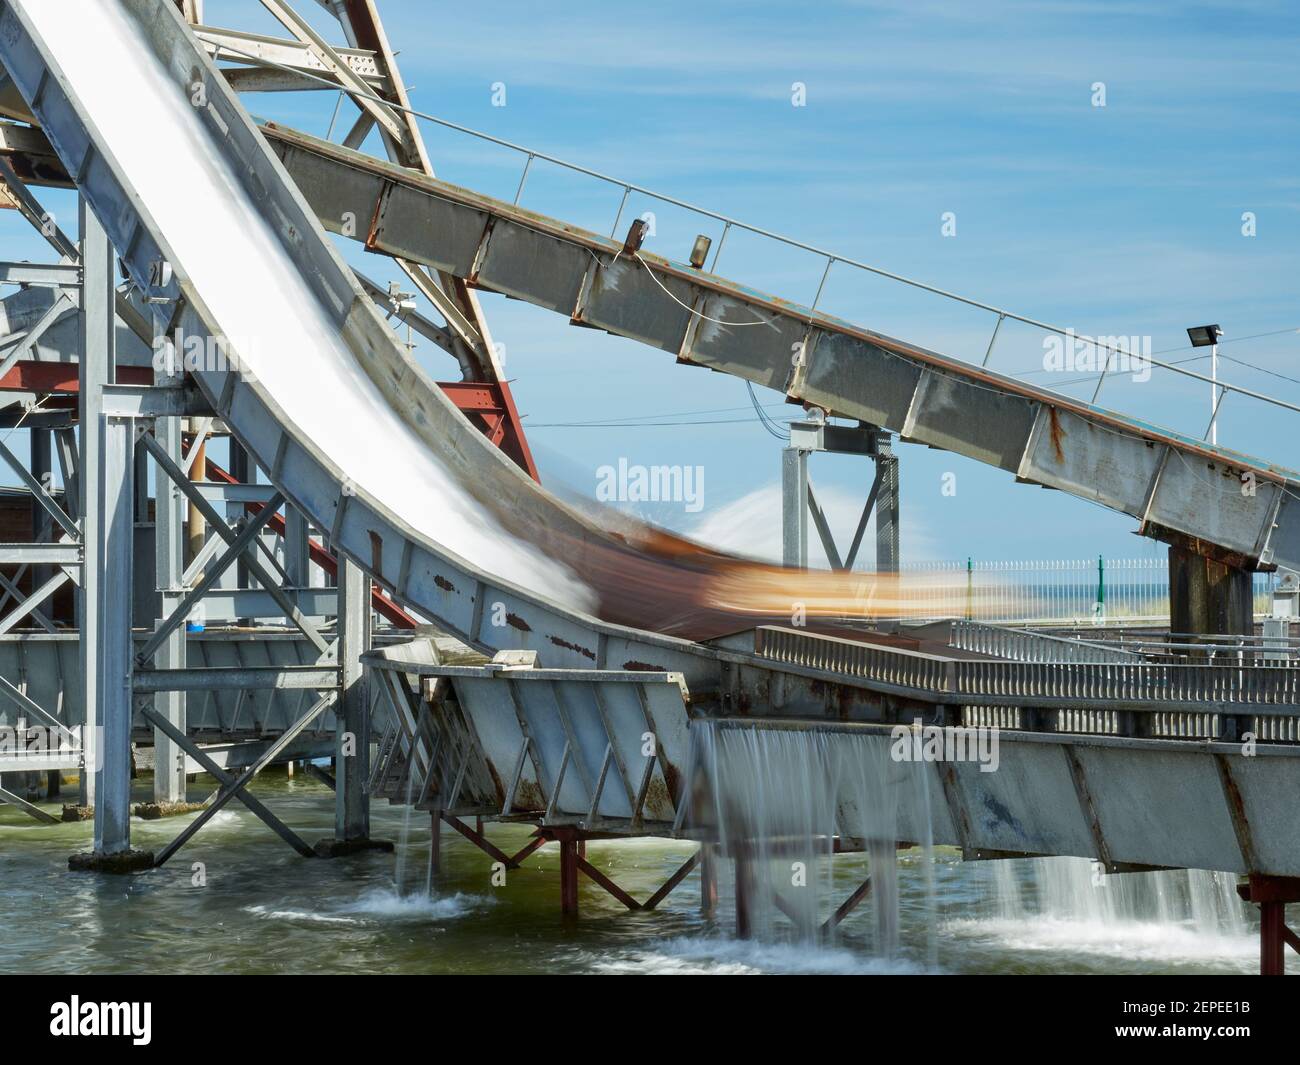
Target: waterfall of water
(778, 801)
(1074, 889)
(399, 873)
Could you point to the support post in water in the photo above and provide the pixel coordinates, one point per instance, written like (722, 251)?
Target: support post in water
(708, 881)
(744, 929)
(352, 748)
(107, 531)
(435, 846)
(1272, 893)
(569, 876)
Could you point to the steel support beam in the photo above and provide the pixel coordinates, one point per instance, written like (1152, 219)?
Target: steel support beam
(169, 563)
(1272, 894)
(108, 564)
(297, 551)
(231, 788)
(1207, 595)
(94, 370)
(30, 809)
(794, 507)
(887, 509)
(351, 800)
(42, 466)
(708, 881)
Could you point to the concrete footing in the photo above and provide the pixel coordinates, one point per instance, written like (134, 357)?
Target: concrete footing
(78, 813)
(154, 811)
(128, 861)
(337, 848)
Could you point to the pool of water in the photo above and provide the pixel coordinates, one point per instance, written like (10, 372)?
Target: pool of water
(236, 899)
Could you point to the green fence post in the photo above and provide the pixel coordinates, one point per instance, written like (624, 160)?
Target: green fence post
(1101, 587)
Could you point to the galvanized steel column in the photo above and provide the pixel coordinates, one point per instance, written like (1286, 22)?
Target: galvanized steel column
(169, 559)
(794, 507)
(887, 508)
(351, 801)
(108, 564)
(94, 369)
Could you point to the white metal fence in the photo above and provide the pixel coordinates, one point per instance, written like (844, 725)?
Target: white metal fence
(1096, 590)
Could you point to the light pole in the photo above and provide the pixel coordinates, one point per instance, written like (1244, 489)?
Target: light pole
(1203, 336)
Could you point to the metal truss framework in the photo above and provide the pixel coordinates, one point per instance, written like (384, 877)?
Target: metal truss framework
(85, 535)
(130, 415)
(799, 501)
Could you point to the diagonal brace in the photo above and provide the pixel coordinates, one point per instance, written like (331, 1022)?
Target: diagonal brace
(362, 94)
(228, 790)
(26, 807)
(823, 529)
(236, 549)
(218, 523)
(33, 601)
(38, 490)
(255, 805)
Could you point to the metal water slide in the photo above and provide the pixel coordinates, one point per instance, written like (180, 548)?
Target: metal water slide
(1145, 791)
(1178, 487)
(407, 560)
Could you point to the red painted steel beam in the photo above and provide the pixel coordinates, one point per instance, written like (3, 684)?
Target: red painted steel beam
(524, 851)
(600, 878)
(674, 880)
(1272, 946)
(490, 407)
(847, 906)
(60, 378)
(708, 881)
(569, 877)
(1272, 893)
(476, 837)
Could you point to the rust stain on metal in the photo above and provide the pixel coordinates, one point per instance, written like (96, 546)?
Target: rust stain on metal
(528, 796)
(516, 622)
(672, 777)
(584, 651)
(1058, 434)
(658, 802)
(644, 667)
(497, 789)
(443, 583)
(372, 234)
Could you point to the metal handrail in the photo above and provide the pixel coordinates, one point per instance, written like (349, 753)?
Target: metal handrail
(729, 223)
(1154, 683)
(1025, 645)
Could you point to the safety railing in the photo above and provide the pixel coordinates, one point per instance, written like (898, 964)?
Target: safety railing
(1114, 357)
(1153, 683)
(1022, 645)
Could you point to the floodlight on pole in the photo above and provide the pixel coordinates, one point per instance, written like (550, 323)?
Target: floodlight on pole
(1207, 336)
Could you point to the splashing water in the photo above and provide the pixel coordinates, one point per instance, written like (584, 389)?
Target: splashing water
(399, 870)
(781, 802)
(1068, 904)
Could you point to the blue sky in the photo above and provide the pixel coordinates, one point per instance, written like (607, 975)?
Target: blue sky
(1123, 220)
